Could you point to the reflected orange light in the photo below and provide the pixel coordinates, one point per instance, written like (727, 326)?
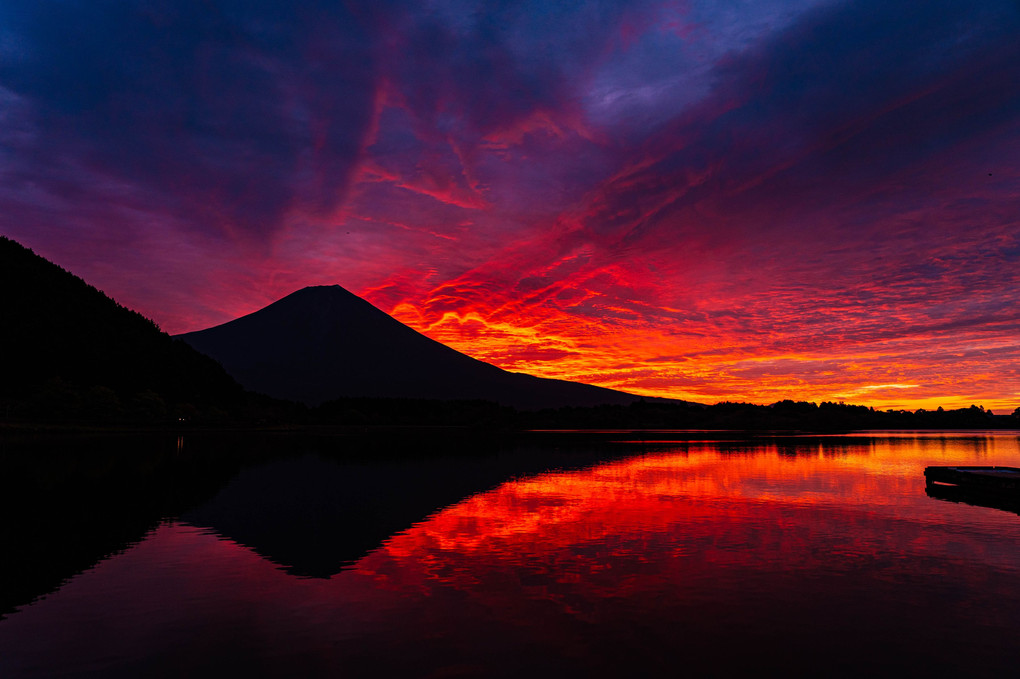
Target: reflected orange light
(690, 489)
(674, 555)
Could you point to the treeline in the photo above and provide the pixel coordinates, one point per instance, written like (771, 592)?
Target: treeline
(60, 402)
(784, 415)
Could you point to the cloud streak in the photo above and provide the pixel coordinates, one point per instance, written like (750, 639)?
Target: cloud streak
(745, 201)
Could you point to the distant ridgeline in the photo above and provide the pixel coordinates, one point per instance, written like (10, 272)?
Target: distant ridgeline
(784, 415)
(656, 414)
(70, 353)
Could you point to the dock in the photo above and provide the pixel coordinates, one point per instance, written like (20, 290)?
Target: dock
(983, 479)
(995, 487)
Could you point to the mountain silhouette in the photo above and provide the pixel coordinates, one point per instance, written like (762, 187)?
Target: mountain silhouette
(71, 352)
(323, 343)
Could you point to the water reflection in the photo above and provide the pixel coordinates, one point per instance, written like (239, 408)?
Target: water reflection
(818, 556)
(311, 504)
(655, 493)
(69, 502)
(1006, 501)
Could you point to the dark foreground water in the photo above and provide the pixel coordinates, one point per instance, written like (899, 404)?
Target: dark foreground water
(564, 556)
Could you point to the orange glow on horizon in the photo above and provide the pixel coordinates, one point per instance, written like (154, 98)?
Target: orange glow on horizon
(653, 361)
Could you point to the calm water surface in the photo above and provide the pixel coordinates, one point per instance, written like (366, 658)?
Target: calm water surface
(811, 556)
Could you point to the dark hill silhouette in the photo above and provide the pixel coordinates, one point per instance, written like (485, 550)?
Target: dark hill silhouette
(324, 343)
(71, 352)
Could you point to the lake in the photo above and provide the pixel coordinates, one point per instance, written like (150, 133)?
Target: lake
(560, 554)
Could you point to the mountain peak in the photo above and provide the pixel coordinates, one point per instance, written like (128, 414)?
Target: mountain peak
(323, 342)
(323, 290)
(319, 292)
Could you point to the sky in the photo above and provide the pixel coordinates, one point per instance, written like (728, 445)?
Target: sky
(716, 200)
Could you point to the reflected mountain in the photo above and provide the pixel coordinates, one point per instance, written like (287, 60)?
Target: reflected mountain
(311, 515)
(310, 504)
(317, 513)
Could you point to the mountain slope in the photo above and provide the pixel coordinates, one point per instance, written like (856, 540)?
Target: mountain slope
(322, 343)
(71, 351)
